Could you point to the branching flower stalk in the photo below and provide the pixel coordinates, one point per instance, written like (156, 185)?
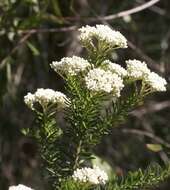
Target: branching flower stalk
(82, 103)
(100, 96)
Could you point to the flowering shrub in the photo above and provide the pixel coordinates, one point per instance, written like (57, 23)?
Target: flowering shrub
(90, 83)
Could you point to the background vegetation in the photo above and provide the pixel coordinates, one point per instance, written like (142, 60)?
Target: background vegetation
(33, 33)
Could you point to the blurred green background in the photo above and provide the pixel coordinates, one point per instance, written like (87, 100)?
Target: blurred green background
(33, 33)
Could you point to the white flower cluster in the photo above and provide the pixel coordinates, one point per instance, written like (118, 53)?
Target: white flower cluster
(102, 33)
(19, 187)
(100, 80)
(70, 65)
(156, 82)
(115, 68)
(138, 70)
(92, 175)
(44, 97)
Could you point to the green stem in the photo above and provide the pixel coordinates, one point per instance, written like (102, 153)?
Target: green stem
(77, 156)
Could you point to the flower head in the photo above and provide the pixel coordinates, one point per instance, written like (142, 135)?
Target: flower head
(19, 187)
(91, 175)
(104, 34)
(45, 97)
(115, 68)
(70, 65)
(86, 33)
(99, 80)
(137, 70)
(156, 82)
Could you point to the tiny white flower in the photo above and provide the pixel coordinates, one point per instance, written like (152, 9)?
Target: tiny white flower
(99, 80)
(70, 65)
(92, 175)
(45, 97)
(156, 82)
(19, 187)
(137, 70)
(104, 34)
(115, 68)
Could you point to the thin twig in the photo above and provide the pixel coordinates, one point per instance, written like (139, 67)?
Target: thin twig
(93, 19)
(114, 16)
(151, 108)
(48, 30)
(155, 9)
(21, 41)
(127, 12)
(147, 134)
(28, 34)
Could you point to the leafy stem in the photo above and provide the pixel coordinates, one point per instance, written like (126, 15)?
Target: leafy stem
(77, 155)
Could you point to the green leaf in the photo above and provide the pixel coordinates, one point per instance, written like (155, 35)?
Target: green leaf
(57, 11)
(25, 131)
(56, 8)
(34, 50)
(154, 147)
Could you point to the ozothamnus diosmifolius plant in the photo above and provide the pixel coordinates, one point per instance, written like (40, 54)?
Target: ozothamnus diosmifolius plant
(99, 95)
